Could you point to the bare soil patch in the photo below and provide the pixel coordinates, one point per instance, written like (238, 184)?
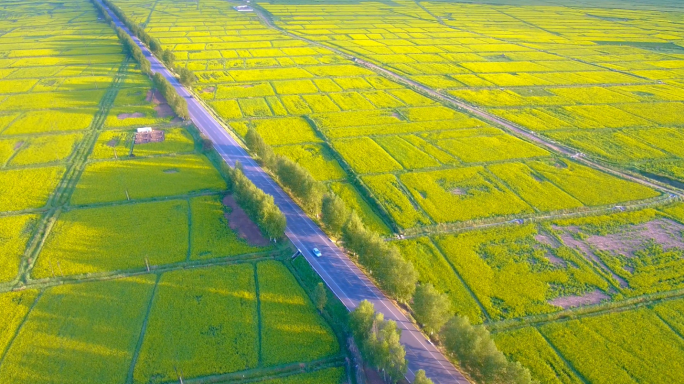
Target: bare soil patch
(547, 239)
(590, 298)
(588, 253)
(458, 192)
(160, 105)
(630, 239)
(209, 89)
(242, 224)
(555, 260)
(18, 145)
(123, 116)
(112, 143)
(164, 110)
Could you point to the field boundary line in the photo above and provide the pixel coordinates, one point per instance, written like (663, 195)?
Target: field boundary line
(189, 254)
(114, 275)
(667, 324)
(21, 325)
(143, 330)
(258, 313)
(586, 311)
(558, 353)
(459, 227)
(355, 179)
(42, 233)
(155, 199)
(460, 278)
(271, 372)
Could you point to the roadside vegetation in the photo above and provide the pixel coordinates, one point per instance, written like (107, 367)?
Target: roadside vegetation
(535, 238)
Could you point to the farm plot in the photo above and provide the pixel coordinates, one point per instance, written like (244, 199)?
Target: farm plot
(201, 322)
(130, 179)
(520, 271)
(82, 240)
(324, 376)
(176, 141)
(14, 307)
(33, 122)
(388, 191)
(620, 347)
(211, 235)
(112, 145)
(365, 156)
(462, 194)
(285, 131)
(27, 188)
(15, 232)
(315, 158)
(478, 149)
(64, 330)
(671, 313)
(589, 186)
(356, 202)
(642, 250)
(437, 270)
(45, 149)
(291, 330)
(139, 107)
(529, 347)
(533, 188)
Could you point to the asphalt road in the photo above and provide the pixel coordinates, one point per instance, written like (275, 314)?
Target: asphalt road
(341, 275)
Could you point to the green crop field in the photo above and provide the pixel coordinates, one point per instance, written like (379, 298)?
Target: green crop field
(118, 259)
(525, 157)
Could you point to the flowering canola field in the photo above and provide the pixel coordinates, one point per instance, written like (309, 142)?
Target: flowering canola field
(117, 261)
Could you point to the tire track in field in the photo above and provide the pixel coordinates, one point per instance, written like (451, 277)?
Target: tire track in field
(62, 193)
(143, 330)
(21, 325)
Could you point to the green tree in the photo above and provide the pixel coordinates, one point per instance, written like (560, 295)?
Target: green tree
(421, 378)
(168, 58)
(398, 276)
(320, 296)
(155, 46)
(273, 222)
(334, 213)
(256, 144)
(298, 180)
(379, 341)
(393, 353)
(187, 77)
(353, 233)
(361, 320)
(432, 308)
(474, 349)
(259, 206)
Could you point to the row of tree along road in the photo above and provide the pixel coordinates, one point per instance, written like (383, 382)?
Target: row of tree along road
(471, 347)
